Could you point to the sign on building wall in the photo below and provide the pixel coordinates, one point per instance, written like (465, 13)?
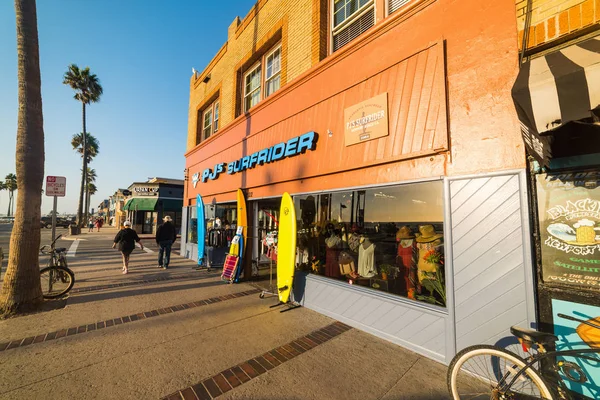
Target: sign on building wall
(367, 120)
(145, 191)
(569, 211)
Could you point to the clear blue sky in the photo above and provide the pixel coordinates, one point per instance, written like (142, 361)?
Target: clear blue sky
(143, 53)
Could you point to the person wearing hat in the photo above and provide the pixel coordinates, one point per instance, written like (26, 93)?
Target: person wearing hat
(126, 239)
(165, 237)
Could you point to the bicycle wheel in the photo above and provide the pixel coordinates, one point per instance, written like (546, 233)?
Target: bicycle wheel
(56, 281)
(484, 372)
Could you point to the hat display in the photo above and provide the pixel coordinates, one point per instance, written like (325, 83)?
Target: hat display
(428, 234)
(405, 233)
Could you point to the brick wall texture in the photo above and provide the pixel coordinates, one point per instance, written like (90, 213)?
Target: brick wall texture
(551, 19)
(303, 36)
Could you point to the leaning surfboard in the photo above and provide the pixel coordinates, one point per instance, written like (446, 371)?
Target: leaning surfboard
(286, 247)
(201, 229)
(242, 217)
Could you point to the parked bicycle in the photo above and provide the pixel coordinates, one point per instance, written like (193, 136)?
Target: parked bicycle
(491, 372)
(57, 279)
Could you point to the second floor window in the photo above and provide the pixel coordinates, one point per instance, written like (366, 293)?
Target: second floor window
(210, 120)
(252, 87)
(351, 18)
(259, 82)
(273, 72)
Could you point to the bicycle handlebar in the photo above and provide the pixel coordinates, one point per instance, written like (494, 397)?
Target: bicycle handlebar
(43, 248)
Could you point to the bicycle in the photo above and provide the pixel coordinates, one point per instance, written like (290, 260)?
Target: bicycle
(57, 279)
(492, 372)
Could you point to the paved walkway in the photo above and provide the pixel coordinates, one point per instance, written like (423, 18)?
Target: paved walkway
(183, 334)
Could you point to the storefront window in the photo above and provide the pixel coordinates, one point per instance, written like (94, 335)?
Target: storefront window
(388, 239)
(192, 225)
(569, 214)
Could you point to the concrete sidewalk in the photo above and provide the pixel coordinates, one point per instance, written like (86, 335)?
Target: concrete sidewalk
(183, 334)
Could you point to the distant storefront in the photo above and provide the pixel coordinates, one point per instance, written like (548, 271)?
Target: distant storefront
(149, 202)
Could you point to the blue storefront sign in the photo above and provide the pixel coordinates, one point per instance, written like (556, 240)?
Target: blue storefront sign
(294, 146)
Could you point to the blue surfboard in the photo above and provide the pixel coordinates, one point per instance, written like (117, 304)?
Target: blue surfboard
(201, 229)
(240, 267)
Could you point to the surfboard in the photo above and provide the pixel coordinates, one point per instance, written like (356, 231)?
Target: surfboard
(242, 215)
(286, 247)
(201, 229)
(242, 220)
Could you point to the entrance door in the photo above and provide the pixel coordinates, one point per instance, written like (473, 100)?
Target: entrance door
(267, 227)
(148, 224)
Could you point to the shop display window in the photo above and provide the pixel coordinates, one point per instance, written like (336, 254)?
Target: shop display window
(389, 239)
(192, 225)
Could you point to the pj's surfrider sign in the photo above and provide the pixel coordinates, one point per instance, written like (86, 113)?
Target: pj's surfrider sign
(294, 146)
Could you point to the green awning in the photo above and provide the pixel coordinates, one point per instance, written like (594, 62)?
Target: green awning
(170, 204)
(141, 204)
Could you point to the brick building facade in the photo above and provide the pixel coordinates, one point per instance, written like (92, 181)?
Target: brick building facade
(416, 147)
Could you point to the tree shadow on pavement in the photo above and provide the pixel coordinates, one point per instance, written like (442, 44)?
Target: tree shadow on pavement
(87, 298)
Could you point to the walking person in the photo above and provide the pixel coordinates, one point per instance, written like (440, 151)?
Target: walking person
(126, 239)
(91, 225)
(99, 223)
(165, 237)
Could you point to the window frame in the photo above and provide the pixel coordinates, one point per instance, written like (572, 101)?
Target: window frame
(216, 111)
(349, 20)
(274, 75)
(210, 108)
(254, 67)
(262, 63)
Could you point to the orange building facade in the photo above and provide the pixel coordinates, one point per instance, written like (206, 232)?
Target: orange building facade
(394, 130)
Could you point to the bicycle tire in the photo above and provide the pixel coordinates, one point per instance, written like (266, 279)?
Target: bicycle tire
(54, 286)
(476, 375)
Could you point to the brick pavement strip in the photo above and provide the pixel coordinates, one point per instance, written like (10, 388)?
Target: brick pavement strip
(238, 375)
(45, 337)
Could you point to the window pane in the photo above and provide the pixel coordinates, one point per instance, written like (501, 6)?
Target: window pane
(388, 239)
(273, 85)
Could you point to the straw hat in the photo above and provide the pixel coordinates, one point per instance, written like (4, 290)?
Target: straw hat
(428, 234)
(405, 233)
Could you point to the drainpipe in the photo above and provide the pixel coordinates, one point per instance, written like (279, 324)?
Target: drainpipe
(526, 31)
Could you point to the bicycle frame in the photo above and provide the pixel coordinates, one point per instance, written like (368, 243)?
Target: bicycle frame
(556, 378)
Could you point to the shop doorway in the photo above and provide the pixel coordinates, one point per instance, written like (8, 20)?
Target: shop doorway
(266, 227)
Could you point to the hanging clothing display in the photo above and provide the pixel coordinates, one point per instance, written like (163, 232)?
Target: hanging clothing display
(366, 260)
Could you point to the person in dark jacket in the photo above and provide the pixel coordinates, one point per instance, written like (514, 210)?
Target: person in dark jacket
(126, 239)
(165, 237)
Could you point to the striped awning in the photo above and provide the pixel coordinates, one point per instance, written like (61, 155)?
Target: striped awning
(552, 92)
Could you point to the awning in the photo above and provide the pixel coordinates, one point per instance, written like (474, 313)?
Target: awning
(554, 91)
(170, 204)
(138, 204)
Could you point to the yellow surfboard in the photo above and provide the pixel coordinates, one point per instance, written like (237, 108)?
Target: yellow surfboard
(242, 216)
(286, 247)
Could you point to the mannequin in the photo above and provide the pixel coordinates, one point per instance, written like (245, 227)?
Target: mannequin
(407, 257)
(334, 246)
(428, 243)
(366, 258)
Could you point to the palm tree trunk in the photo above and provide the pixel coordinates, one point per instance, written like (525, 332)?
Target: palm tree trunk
(9, 201)
(80, 220)
(87, 201)
(21, 290)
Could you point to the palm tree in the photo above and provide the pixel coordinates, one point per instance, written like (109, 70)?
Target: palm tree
(92, 149)
(91, 177)
(87, 90)
(10, 183)
(92, 145)
(21, 290)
